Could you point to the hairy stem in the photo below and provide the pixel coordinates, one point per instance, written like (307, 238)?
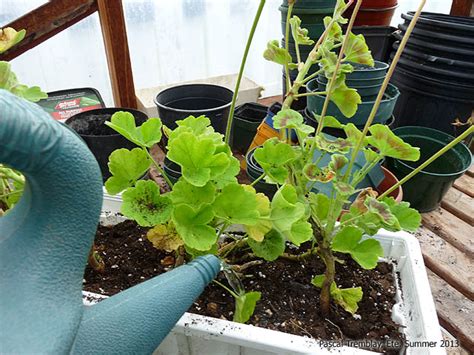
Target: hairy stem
(330, 262)
(287, 39)
(159, 168)
(241, 71)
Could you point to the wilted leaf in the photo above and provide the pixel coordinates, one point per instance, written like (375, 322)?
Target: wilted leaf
(347, 298)
(338, 145)
(144, 204)
(274, 53)
(164, 237)
(389, 145)
(357, 50)
(291, 119)
(345, 98)
(382, 210)
(313, 173)
(300, 35)
(10, 37)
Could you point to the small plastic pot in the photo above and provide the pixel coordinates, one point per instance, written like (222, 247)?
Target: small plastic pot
(315, 104)
(426, 189)
(247, 118)
(374, 16)
(376, 4)
(254, 171)
(379, 39)
(364, 91)
(356, 82)
(179, 102)
(101, 139)
(311, 4)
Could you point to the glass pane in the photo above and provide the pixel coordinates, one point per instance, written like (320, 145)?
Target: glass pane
(12, 9)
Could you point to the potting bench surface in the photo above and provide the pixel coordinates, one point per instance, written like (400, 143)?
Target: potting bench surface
(446, 239)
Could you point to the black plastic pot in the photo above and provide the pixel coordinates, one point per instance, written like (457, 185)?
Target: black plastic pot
(379, 39)
(101, 139)
(311, 19)
(312, 4)
(299, 103)
(426, 190)
(172, 170)
(247, 118)
(457, 25)
(304, 53)
(179, 102)
(428, 102)
(254, 171)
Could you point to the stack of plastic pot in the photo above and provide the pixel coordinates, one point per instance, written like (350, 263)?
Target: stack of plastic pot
(312, 14)
(367, 81)
(435, 74)
(375, 12)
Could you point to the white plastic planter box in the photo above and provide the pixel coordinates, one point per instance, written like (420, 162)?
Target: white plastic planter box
(200, 335)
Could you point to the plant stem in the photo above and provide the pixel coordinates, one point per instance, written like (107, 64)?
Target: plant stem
(226, 288)
(314, 93)
(158, 167)
(390, 72)
(258, 179)
(429, 161)
(332, 82)
(11, 193)
(287, 38)
(10, 174)
(300, 257)
(241, 71)
(329, 261)
(230, 246)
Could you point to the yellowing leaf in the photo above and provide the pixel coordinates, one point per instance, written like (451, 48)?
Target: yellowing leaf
(164, 237)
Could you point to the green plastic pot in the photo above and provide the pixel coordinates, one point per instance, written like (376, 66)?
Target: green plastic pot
(426, 189)
(311, 4)
(364, 91)
(254, 171)
(247, 118)
(315, 104)
(356, 82)
(311, 19)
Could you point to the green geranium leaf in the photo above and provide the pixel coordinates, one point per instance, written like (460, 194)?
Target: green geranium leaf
(353, 133)
(192, 226)
(347, 298)
(144, 204)
(370, 223)
(273, 157)
(344, 189)
(197, 158)
(319, 205)
(365, 253)
(338, 145)
(313, 173)
(270, 248)
(196, 196)
(126, 167)
(329, 121)
(335, 32)
(382, 210)
(275, 54)
(258, 231)
(33, 93)
(198, 125)
(389, 145)
(195, 253)
(291, 119)
(164, 237)
(245, 306)
(148, 134)
(237, 205)
(10, 37)
(229, 176)
(300, 35)
(346, 99)
(371, 155)
(357, 50)
(301, 231)
(286, 209)
(408, 218)
(338, 162)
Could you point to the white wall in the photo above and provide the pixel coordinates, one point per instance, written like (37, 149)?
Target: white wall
(170, 41)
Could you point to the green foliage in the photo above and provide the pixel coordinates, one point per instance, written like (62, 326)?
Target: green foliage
(9, 37)
(193, 226)
(273, 158)
(9, 82)
(237, 205)
(357, 50)
(185, 193)
(270, 248)
(300, 35)
(389, 145)
(145, 205)
(148, 134)
(347, 298)
(126, 167)
(245, 306)
(275, 54)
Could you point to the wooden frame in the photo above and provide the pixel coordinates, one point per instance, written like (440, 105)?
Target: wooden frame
(57, 15)
(462, 7)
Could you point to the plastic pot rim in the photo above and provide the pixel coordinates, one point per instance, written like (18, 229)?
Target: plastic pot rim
(302, 11)
(463, 147)
(160, 105)
(118, 109)
(378, 9)
(354, 86)
(430, 21)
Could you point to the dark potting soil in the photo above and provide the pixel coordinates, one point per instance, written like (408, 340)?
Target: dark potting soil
(93, 125)
(289, 302)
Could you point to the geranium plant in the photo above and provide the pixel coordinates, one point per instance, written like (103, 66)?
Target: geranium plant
(203, 207)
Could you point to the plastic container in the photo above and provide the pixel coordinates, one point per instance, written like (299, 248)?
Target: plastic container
(254, 171)
(385, 111)
(312, 4)
(300, 102)
(432, 103)
(460, 25)
(247, 118)
(311, 19)
(357, 82)
(377, 16)
(379, 39)
(364, 91)
(172, 170)
(415, 311)
(426, 190)
(63, 104)
(106, 140)
(179, 102)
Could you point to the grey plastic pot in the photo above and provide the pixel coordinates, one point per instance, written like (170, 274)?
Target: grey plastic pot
(426, 189)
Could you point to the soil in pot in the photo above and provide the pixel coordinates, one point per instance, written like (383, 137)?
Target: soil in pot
(289, 301)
